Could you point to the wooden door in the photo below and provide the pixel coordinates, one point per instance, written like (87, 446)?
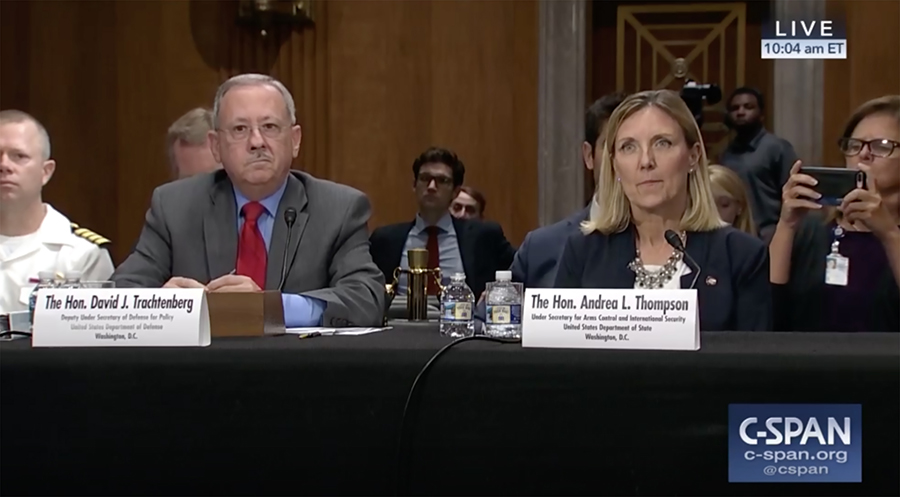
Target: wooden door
(663, 46)
(654, 45)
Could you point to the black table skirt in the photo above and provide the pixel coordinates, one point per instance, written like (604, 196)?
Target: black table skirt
(322, 416)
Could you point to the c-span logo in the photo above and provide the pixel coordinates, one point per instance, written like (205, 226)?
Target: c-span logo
(795, 443)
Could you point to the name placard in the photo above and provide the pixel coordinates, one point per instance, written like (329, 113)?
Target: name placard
(611, 319)
(110, 317)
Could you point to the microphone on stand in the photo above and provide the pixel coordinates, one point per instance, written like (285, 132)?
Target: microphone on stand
(676, 243)
(290, 215)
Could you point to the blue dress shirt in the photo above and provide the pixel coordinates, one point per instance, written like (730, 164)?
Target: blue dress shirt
(299, 311)
(448, 248)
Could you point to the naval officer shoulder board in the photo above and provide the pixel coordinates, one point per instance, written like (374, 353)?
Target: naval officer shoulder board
(95, 238)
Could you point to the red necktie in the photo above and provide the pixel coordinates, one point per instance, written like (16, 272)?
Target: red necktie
(252, 255)
(434, 257)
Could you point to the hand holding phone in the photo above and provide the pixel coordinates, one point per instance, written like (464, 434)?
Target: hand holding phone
(834, 183)
(798, 196)
(865, 206)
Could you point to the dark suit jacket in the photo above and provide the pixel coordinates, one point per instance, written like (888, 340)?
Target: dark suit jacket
(483, 248)
(733, 289)
(798, 303)
(191, 231)
(538, 256)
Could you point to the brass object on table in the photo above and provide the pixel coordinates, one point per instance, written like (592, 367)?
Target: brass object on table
(417, 277)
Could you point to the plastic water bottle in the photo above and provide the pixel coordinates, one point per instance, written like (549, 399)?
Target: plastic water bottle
(73, 280)
(46, 280)
(503, 308)
(457, 308)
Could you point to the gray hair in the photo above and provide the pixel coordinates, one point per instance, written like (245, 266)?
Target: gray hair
(191, 128)
(254, 80)
(17, 116)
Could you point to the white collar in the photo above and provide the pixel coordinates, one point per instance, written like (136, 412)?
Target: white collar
(56, 229)
(445, 223)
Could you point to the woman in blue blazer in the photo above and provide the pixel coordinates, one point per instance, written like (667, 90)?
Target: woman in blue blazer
(655, 179)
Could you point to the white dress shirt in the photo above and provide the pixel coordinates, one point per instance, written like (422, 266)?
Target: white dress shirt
(53, 247)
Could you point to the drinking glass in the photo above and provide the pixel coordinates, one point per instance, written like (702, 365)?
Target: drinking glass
(98, 284)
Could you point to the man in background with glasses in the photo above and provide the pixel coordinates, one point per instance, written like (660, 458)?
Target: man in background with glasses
(231, 230)
(469, 246)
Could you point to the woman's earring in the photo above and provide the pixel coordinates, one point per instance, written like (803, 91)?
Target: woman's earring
(619, 179)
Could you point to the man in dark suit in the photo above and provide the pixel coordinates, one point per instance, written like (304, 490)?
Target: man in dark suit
(475, 248)
(230, 230)
(536, 260)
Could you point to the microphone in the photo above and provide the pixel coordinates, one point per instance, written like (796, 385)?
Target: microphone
(290, 215)
(675, 241)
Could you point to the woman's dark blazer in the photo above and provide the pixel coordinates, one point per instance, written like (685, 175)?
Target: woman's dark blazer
(733, 287)
(798, 303)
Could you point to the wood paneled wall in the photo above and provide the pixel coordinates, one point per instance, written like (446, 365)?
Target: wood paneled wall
(871, 69)
(375, 84)
(757, 72)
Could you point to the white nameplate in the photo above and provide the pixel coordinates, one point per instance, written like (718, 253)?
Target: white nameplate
(121, 317)
(610, 319)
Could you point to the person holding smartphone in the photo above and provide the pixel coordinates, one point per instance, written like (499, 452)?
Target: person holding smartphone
(837, 268)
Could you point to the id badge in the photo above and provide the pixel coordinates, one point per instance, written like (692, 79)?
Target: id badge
(837, 270)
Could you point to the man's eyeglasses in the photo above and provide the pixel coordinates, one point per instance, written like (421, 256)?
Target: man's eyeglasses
(426, 179)
(880, 147)
(240, 132)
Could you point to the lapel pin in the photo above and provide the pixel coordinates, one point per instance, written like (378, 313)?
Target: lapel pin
(711, 281)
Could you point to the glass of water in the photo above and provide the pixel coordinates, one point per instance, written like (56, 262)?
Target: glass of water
(98, 284)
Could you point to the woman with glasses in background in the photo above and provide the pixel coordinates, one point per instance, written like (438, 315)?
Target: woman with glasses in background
(837, 269)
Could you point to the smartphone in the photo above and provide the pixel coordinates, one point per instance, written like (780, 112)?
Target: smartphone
(835, 182)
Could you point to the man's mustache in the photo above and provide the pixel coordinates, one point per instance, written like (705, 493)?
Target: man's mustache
(259, 156)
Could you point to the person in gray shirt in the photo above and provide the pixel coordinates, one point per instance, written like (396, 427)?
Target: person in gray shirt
(760, 158)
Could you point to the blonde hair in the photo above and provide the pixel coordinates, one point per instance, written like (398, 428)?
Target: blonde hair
(14, 116)
(191, 128)
(726, 183)
(611, 211)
